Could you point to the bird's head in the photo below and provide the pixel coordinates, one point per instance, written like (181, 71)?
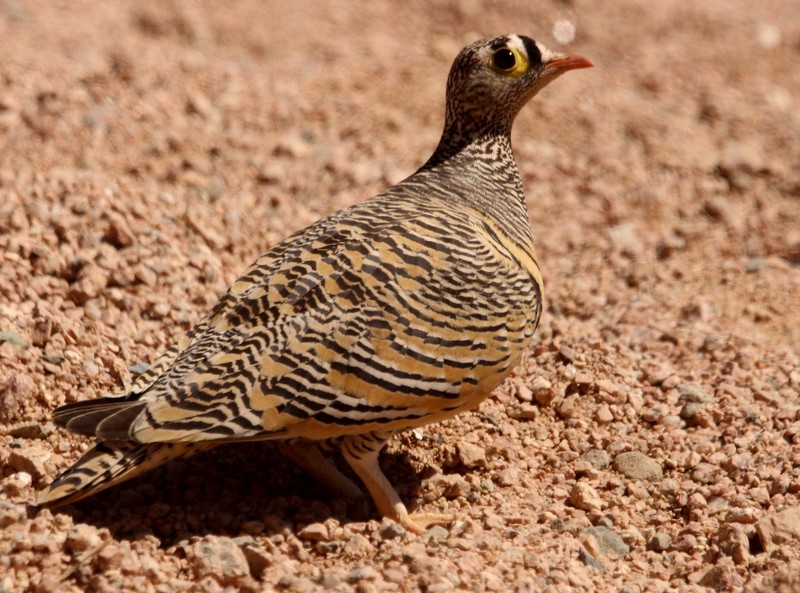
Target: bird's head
(492, 79)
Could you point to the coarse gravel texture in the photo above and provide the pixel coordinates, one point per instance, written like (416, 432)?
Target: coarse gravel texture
(650, 441)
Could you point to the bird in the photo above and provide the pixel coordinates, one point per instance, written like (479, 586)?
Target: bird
(402, 310)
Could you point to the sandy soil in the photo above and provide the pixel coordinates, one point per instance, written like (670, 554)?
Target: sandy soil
(651, 439)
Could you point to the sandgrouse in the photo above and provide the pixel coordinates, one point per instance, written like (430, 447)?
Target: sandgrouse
(403, 310)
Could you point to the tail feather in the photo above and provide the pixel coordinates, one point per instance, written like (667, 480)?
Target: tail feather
(117, 424)
(109, 463)
(85, 417)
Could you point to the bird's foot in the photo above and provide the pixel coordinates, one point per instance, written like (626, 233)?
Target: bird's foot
(361, 452)
(419, 523)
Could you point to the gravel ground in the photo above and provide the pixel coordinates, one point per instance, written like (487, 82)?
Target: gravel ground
(650, 441)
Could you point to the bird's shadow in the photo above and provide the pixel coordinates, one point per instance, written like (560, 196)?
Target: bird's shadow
(233, 490)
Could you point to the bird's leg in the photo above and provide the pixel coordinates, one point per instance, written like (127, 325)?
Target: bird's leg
(361, 452)
(309, 457)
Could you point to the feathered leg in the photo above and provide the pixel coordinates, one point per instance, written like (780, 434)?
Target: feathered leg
(361, 452)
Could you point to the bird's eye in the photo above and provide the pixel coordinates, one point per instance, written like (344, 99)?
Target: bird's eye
(508, 61)
(504, 59)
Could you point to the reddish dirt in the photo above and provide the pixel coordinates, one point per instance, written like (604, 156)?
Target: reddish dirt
(150, 150)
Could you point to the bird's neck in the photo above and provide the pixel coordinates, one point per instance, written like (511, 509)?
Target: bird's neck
(463, 132)
(481, 172)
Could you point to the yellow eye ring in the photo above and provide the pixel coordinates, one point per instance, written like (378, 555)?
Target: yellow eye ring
(508, 61)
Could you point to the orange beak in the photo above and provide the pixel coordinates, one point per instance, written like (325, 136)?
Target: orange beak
(563, 63)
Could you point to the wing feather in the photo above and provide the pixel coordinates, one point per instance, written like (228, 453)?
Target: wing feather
(347, 327)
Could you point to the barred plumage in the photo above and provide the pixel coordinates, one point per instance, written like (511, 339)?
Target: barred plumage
(400, 311)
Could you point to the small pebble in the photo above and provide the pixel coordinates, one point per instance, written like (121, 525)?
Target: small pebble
(31, 460)
(358, 546)
(15, 391)
(543, 392)
(470, 455)
(777, 528)
(523, 393)
(609, 542)
(14, 339)
(364, 573)
(31, 430)
(733, 541)
(605, 522)
(638, 466)
(218, 556)
(690, 392)
(568, 408)
(604, 415)
(436, 534)
(81, 538)
(328, 547)
(755, 264)
(17, 483)
(590, 560)
(314, 532)
(391, 530)
(584, 497)
(670, 421)
(118, 233)
(598, 458)
(450, 485)
(747, 515)
(720, 578)
(659, 542)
